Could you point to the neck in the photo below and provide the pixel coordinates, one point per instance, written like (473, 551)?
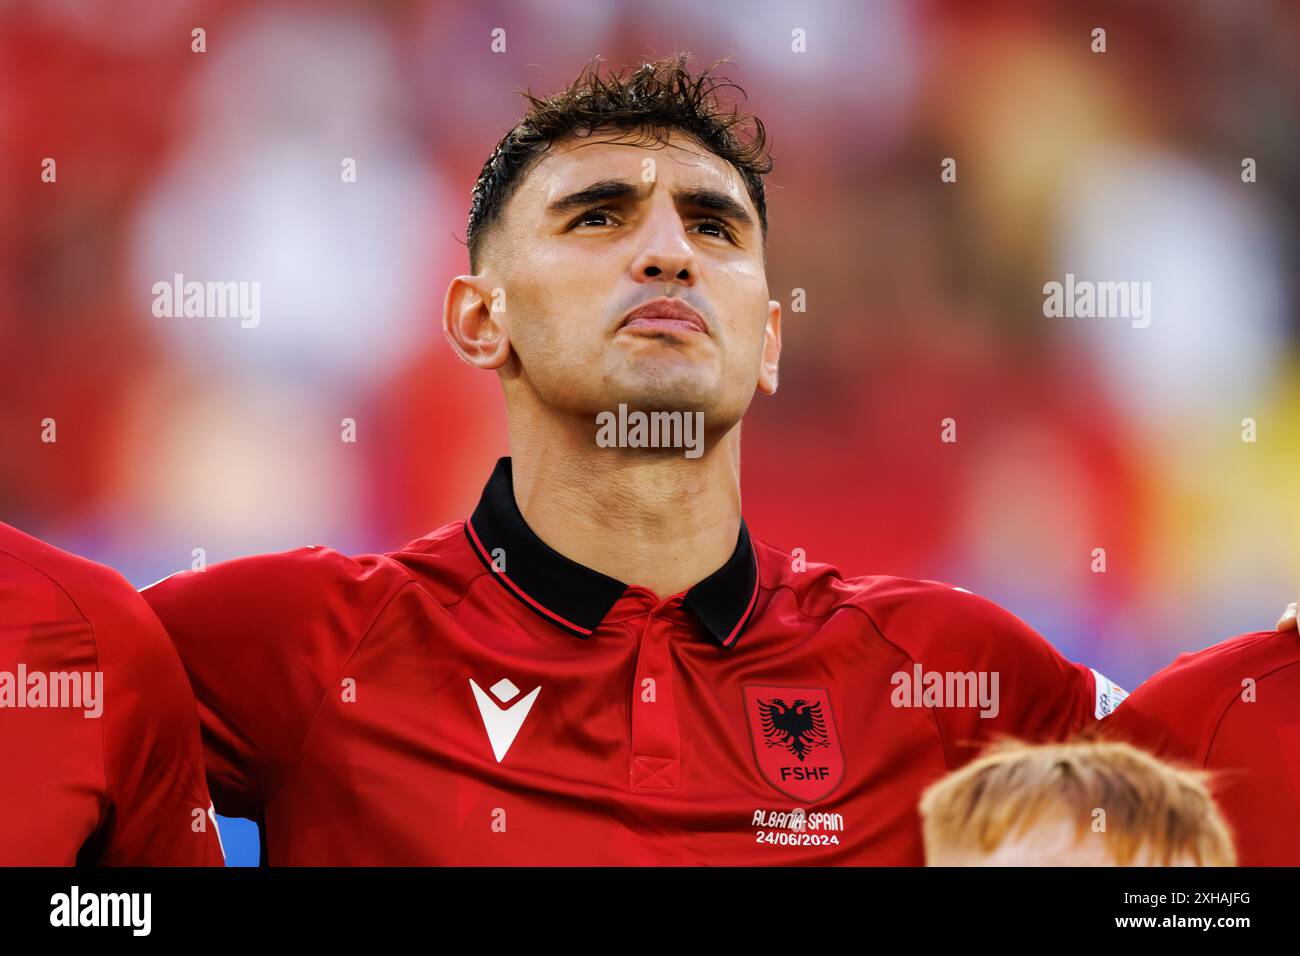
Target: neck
(658, 519)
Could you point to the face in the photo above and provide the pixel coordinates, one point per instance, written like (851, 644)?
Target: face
(598, 230)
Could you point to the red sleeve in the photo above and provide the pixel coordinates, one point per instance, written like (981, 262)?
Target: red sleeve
(1030, 691)
(153, 761)
(263, 639)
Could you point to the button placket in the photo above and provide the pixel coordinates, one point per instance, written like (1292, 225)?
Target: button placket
(656, 745)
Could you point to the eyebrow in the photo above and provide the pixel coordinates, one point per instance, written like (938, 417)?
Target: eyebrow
(612, 190)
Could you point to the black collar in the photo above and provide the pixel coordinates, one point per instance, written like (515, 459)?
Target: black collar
(577, 598)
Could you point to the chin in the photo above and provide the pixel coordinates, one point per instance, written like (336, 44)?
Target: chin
(663, 387)
(658, 399)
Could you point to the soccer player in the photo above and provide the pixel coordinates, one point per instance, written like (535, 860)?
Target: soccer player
(1074, 804)
(602, 665)
(1234, 710)
(99, 737)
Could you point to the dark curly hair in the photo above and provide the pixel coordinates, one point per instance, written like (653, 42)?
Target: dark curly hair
(652, 102)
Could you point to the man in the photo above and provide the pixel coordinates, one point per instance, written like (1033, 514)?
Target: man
(1234, 710)
(1076, 804)
(602, 666)
(99, 738)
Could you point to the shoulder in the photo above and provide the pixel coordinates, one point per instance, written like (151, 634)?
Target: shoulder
(309, 591)
(918, 616)
(299, 585)
(32, 565)
(46, 584)
(1177, 710)
(1213, 678)
(1259, 652)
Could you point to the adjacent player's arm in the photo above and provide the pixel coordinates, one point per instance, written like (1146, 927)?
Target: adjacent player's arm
(158, 813)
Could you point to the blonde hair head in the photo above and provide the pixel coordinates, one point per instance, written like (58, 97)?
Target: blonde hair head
(1149, 806)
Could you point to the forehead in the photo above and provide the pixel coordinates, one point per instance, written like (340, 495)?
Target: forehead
(577, 162)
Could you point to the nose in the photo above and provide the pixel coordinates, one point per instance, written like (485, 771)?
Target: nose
(666, 253)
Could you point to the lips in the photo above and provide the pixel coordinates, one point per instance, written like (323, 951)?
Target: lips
(665, 315)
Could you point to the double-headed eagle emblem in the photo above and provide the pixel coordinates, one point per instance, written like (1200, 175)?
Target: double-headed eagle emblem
(798, 727)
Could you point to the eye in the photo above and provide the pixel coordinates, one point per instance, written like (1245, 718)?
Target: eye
(592, 214)
(722, 231)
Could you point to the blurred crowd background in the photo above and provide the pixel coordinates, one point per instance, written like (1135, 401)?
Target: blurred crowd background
(924, 299)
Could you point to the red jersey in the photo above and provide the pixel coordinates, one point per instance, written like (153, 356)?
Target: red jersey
(479, 698)
(99, 736)
(1232, 709)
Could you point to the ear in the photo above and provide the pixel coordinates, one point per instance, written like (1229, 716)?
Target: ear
(767, 373)
(478, 334)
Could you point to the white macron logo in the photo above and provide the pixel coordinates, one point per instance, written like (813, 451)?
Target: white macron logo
(503, 723)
